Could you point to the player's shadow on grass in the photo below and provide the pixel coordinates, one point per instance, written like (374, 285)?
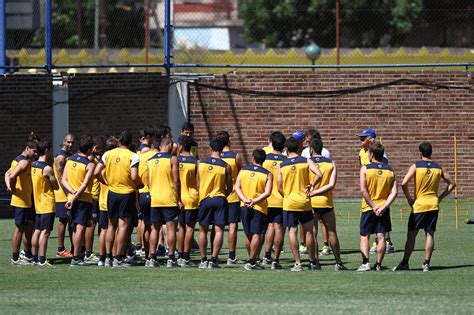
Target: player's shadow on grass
(59, 261)
(450, 267)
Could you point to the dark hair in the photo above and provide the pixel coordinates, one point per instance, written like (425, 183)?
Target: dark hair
(100, 143)
(147, 131)
(32, 137)
(186, 142)
(163, 131)
(426, 149)
(224, 136)
(43, 146)
(165, 141)
(278, 140)
(292, 144)
(125, 138)
(316, 145)
(86, 143)
(111, 143)
(216, 145)
(187, 126)
(259, 156)
(313, 133)
(377, 150)
(32, 145)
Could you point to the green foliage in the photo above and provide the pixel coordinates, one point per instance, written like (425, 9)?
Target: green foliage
(293, 23)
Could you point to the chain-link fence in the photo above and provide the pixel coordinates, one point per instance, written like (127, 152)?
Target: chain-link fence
(243, 32)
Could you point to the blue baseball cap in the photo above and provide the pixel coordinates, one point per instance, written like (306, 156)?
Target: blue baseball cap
(298, 135)
(367, 132)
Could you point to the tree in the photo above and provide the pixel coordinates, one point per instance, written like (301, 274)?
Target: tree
(293, 23)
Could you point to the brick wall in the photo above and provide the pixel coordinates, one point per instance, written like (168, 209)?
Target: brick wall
(403, 115)
(110, 103)
(25, 106)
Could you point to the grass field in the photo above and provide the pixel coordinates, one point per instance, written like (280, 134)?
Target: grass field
(448, 288)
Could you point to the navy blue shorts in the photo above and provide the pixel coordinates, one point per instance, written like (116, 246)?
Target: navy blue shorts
(233, 215)
(156, 216)
(188, 216)
(121, 205)
(293, 218)
(425, 220)
(213, 210)
(254, 221)
(61, 211)
(103, 219)
(95, 210)
(371, 223)
(81, 213)
(23, 215)
(275, 215)
(322, 211)
(144, 204)
(44, 221)
(169, 213)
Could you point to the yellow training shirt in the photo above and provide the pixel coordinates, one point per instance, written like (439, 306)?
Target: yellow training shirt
(295, 176)
(118, 164)
(160, 175)
(229, 158)
(326, 167)
(104, 191)
(43, 192)
(272, 164)
(187, 177)
(21, 198)
(59, 194)
(143, 169)
(95, 183)
(427, 177)
(253, 179)
(379, 180)
(212, 182)
(76, 169)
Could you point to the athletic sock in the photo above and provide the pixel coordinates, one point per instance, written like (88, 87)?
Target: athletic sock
(119, 257)
(108, 255)
(365, 260)
(88, 253)
(389, 241)
(42, 259)
(404, 262)
(172, 257)
(268, 255)
(181, 255)
(378, 264)
(251, 261)
(277, 260)
(77, 257)
(232, 255)
(203, 259)
(214, 260)
(303, 244)
(15, 256)
(28, 254)
(186, 256)
(138, 247)
(326, 244)
(102, 258)
(35, 258)
(152, 256)
(60, 249)
(130, 253)
(426, 262)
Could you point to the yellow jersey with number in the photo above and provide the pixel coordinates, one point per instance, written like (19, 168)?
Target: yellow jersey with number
(272, 164)
(160, 175)
(104, 191)
(253, 179)
(21, 197)
(118, 164)
(212, 178)
(76, 170)
(187, 177)
(326, 167)
(143, 170)
(95, 183)
(427, 177)
(230, 158)
(43, 192)
(59, 194)
(379, 179)
(295, 179)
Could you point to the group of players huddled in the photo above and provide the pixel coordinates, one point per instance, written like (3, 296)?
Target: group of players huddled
(162, 186)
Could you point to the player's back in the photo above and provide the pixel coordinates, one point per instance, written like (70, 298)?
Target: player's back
(21, 197)
(272, 164)
(43, 192)
(187, 177)
(295, 178)
(326, 167)
(427, 177)
(76, 169)
(212, 178)
(379, 178)
(118, 163)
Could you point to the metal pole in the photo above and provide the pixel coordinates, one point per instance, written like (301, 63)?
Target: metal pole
(168, 37)
(147, 32)
(49, 52)
(96, 24)
(337, 31)
(456, 180)
(3, 32)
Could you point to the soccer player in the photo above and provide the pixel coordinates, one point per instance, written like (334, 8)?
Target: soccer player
(61, 212)
(77, 181)
(215, 184)
(44, 182)
(121, 172)
(233, 217)
(367, 137)
(275, 230)
(188, 166)
(378, 188)
(18, 183)
(425, 206)
(322, 201)
(293, 180)
(187, 129)
(165, 192)
(253, 186)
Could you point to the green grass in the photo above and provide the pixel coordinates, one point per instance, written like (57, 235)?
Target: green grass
(447, 289)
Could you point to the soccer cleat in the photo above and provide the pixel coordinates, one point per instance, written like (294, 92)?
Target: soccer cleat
(64, 253)
(101, 263)
(276, 266)
(364, 267)
(401, 267)
(130, 260)
(389, 249)
(20, 262)
(160, 251)
(235, 261)
(297, 268)
(171, 264)
(204, 265)
(378, 268)
(150, 263)
(45, 264)
(250, 267)
(425, 267)
(339, 267)
(212, 265)
(77, 263)
(373, 249)
(140, 252)
(92, 259)
(267, 261)
(24, 257)
(314, 266)
(326, 251)
(302, 249)
(108, 262)
(120, 264)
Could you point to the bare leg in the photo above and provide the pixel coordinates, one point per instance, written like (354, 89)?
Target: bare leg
(429, 245)
(269, 237)
(90, 230)
(218, 238)
(110, 236)
(78, 239)
(171, 236)
(203, 230)
(410, 244)
(188, 239)
(308, 228)
(381, 246)
(254, 245)
(364, 246)
(43, 242)
(293, 234)
(329, 220)
(278, 240)
(16, 238)
(232, 236)
(123, 235)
